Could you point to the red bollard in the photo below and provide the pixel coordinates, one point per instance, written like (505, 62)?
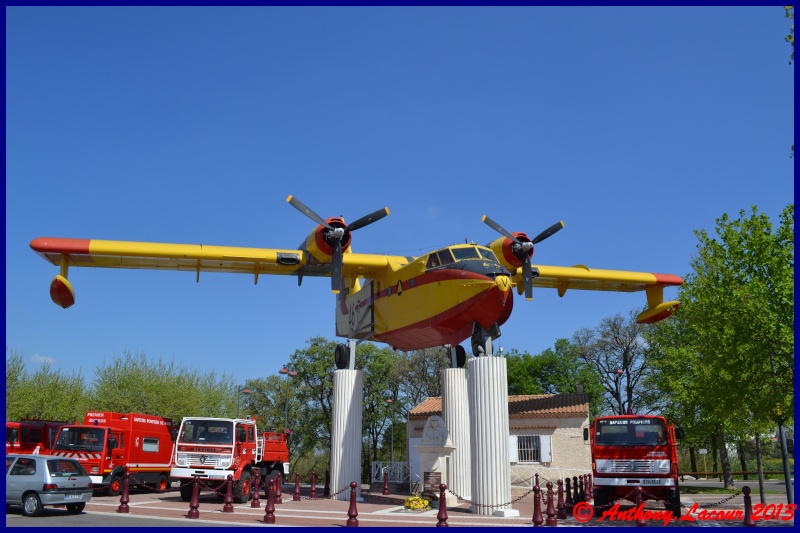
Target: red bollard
(442, 516)
(590, 487)
(256, 487)
(194, 503)
(576, 496)
(228, 507)
(561, 509)
(640, 520)
(269, 515)
(569, 503)
(385, 481)
(278, 488)
(313, 485)
(537, 505)
(748, 508)
(124, 498)
(581, 493)
(551, 510)
(296, 496)
(352, 512)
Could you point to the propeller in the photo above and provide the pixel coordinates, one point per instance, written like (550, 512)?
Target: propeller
(335, 235)
(523, 249)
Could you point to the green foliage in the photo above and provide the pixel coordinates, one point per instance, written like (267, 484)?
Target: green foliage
(46, 394)
(554, 371)
(790, 37)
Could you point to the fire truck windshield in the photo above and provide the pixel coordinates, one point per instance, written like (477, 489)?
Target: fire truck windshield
(630, 432)
(81, 438)
(206, 432)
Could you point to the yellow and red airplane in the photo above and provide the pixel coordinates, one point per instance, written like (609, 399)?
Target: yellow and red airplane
(409, 303)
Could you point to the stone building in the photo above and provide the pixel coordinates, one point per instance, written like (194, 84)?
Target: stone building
(545, 436)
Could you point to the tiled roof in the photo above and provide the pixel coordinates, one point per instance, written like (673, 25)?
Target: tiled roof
(521, 406)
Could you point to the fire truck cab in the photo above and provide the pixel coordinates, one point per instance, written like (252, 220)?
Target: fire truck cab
(634, 450)
(108, 442)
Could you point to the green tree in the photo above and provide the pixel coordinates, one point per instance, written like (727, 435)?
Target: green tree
(727, 355)
(45, 394)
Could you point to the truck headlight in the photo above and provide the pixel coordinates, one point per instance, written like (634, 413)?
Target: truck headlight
(225, 462)
(181, 460)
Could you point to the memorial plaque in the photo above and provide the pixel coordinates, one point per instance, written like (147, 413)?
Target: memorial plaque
(432, 481)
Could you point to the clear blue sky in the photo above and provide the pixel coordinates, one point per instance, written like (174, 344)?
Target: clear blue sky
(635, 126)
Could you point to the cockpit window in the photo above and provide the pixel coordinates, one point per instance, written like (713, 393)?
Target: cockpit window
(488, 254)
(437, 259)
(465, 253)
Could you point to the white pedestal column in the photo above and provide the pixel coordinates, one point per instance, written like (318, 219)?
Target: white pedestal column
(348, 392)
(488, 412)
(455, 413)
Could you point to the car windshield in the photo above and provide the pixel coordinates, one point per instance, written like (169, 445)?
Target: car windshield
(80, 439)
(207, 432)
(631, 432)
(65, 468)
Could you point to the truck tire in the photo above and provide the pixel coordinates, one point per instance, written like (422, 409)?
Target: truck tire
(600, 499)
(162, 484)
(242, 489)
(186, 491)
(115, 485)
(272, 475)
(673, 503)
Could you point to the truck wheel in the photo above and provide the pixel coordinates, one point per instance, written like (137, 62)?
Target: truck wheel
(272, 475)
(600, 499)
(241, 489)
(674, 503)
(186, 491)
(162, 484)
(115, 486)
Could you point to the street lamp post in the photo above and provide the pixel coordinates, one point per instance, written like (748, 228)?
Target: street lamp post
(288, 373)
(391, 403)
(239, 393)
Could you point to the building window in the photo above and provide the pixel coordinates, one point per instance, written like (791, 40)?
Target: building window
(529, 449)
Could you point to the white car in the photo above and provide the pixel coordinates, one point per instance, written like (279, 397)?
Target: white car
(35, 481)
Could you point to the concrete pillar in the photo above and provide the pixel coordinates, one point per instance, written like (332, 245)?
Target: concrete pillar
(488, 412)
(348, 392)
(455, 413)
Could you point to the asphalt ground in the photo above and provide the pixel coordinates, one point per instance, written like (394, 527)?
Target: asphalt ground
(377, 510)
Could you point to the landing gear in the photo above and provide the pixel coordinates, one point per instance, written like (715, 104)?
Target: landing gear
(482, 339)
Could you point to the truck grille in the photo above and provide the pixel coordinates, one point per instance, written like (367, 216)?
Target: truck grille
(621, 466)
(203, 460)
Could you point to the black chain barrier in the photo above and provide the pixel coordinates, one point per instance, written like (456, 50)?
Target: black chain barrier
(331, 497)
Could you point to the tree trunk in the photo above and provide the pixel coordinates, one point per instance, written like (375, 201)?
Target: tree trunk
(742, 461)
(760, 467)
(723, 459)
(714, 453)
(692, 459)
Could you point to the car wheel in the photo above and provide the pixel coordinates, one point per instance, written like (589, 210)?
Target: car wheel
(75, 508)
(31, 505)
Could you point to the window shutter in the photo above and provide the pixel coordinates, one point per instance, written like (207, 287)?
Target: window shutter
(546, 448)
(513, 456)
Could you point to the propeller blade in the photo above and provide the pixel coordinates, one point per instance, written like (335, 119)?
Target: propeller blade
(527, 278)
(369, 219)
(548, 232)
(498, 228)
(336, 268)
(300, 206)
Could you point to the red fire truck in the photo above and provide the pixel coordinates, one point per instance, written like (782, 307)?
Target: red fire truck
(634, 450)
(213, 448)
(31, 436)
(107, 442)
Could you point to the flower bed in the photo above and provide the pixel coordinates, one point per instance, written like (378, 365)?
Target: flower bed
(417, 503)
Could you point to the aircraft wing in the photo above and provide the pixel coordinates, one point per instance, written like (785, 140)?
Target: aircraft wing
(190, 257)
(583, 278)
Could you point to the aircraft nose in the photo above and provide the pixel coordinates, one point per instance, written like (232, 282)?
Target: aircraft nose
(503, 283)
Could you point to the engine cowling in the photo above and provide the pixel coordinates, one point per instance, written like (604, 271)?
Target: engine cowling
(508, 252)
(319, 244)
